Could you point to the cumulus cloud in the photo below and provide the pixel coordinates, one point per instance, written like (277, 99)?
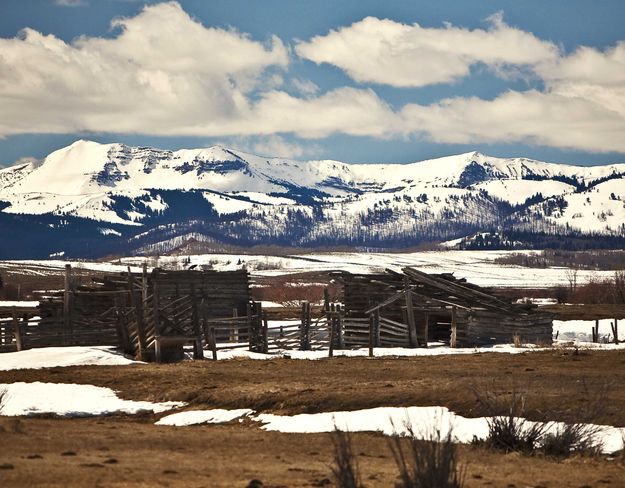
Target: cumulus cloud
(401, 55)
(164, 73)
(532, 117)
(161, 70)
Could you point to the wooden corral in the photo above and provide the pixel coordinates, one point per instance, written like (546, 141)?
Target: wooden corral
(413, 308)
(153, 315)
(150, 315)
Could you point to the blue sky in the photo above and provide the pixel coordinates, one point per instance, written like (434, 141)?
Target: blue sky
(358, 81)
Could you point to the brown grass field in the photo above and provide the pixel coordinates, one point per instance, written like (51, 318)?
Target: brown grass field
(121, 450)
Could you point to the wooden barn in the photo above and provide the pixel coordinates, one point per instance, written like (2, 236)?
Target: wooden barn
(413, 308)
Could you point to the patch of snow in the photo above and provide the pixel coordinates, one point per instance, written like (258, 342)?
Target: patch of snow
(423, 421)
(70, 400)
(195, 417)
(52, 357)
(581, 330)
(21, 304)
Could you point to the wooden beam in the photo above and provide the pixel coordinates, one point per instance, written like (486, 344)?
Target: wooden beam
(66, 303)
(371, 334)
(16, 331)
(454, 328)
(485, 299)
(412, 325)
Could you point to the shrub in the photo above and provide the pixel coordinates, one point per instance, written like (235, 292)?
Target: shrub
(512, 432)
(345, 469)
(427, 463)
(564, 439)
(509, 432)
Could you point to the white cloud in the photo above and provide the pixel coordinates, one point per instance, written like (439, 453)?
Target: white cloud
(70, 3)
(305, 87)
(273, 146)
(162, 70)
(531, 117)
(164, 73)
(388, 52)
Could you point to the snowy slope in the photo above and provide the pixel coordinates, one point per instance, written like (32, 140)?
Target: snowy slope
(279, 200)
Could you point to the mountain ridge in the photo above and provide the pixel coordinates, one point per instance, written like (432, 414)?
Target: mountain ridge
(240, 198)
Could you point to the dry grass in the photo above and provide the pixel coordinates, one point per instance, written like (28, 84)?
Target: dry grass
(431, 462)
(345, 469)
(512, 432)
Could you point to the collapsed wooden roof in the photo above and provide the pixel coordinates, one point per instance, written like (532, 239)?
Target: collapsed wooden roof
(429, 291)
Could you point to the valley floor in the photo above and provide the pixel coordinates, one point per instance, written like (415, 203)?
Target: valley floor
(121, 450)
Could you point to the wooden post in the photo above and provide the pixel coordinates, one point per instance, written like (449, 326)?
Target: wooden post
(426, 329)
(66, 303)
(251, 333)
(596, 330)
(371, 333)
(594, 334)
(198, 352)
(330, 320)
(305, 327)
(233, 335)
(213, 342)
(157, 350)
(339, 326)
(142, 343)
(454, 328)
(144, 284)
(265, 334)
(376, 328)
(16, 330)
(122, 332)
(332, 323)
(326, 299)
(615, 331)
(412, 325)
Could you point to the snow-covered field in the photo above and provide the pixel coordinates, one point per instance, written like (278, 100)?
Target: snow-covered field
(476, 266)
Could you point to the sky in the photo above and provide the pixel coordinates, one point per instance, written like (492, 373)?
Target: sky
(355, 80)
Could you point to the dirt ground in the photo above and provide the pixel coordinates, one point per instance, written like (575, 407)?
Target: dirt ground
(124, 452)
(120, 451)
(558, 383)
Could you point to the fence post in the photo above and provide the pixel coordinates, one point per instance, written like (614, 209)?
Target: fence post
(305, 327)
(376, 328)
(198, 353)
(16, 330)
(265, 334)
(615, 331)
(339, 326)
(596, 330)
(412, 325)
(66, 303)
(330, 319)
(233, 335)
(142, 346)
(252, 333)
(454, 328)
(371, 334)
(213, 342)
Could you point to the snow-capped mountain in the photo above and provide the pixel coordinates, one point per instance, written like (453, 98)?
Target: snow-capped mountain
(96, 198)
